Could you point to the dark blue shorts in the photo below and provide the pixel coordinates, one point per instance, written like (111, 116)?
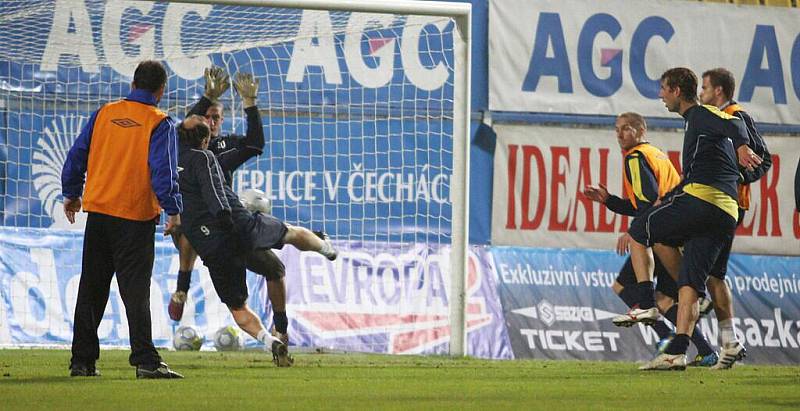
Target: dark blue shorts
(721, 267)
(703, 228)
(664, 282)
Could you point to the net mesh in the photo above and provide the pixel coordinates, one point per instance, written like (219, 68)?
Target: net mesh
(357, 110)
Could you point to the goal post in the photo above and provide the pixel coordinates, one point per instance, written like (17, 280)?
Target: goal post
(337, 105)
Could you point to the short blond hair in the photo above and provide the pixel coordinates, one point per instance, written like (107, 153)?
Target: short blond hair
(636, 120)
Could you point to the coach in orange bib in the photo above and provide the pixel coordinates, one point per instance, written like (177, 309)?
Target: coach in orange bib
(128, 154)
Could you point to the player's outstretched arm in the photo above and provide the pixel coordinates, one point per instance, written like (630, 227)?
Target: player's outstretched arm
(252, 145)
(216, 83)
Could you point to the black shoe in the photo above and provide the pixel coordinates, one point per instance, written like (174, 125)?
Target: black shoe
(280, 355)
(160, 370)
(83, 370)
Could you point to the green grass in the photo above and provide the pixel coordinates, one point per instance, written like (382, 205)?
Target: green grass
(37, 379)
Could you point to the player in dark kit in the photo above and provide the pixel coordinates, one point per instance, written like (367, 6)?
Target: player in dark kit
(232, 151)
(717, 90)
(224, 233)
(648, 175)
(700, 212)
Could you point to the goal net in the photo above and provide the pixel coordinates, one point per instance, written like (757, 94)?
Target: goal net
(363, 108)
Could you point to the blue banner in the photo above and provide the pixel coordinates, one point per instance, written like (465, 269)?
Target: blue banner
(358, 117)
(378, 297)
(558, 305)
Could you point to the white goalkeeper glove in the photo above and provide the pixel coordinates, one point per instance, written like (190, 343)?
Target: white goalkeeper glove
(217, 82)
(255, 200)
(247, 87)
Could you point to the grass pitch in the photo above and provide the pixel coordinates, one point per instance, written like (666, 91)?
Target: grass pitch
(38, 379)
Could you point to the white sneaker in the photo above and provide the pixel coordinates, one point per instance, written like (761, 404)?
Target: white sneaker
(636, 315)
(729, 354)
(327, 250)
(666, 362)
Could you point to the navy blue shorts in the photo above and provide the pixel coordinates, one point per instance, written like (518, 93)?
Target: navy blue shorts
(664, 282)
(260, 231)
(721, 267)
(703, 229)
(221, 252)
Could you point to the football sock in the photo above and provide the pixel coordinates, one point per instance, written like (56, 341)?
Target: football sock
(699, 341)
(678, 345)
(281, 321)
(662, 329)
(727, 331)
(265, 337)
(184, 278)
(672, 314)
(628, 295)
(647, 297)
(326, 249)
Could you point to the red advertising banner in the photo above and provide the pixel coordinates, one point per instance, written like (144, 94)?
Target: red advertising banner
(540, 173)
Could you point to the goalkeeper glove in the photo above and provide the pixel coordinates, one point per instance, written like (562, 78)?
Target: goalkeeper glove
(247, 87)
(217, 82)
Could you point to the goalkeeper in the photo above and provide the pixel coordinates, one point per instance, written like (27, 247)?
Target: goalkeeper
(231, 152)
(225, 234)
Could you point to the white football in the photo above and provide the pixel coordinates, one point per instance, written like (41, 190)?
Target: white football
(187, 338)
(228, 339)
(255, 200)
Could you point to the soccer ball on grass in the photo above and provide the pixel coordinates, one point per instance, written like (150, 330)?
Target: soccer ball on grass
(187, 338)
(227, 339)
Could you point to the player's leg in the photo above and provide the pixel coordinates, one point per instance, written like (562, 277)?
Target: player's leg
(624, 287)
(229, 276)
(186, 257)
(134, 253)
(267, 264)
(732, 348)
(666, 295)
(266, 231)
(93, 289)
(306, 240)
(657, 225)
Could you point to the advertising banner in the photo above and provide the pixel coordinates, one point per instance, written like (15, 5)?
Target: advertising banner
(558, 304)
(605, 57)
(373, 298)
(357, 114)
(540, 173)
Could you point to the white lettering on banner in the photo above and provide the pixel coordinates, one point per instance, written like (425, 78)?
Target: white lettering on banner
(145, 37)
(323, 54)
(605, 57)
(71, 35)
(775, 332)
(383, 280)
(566, 340)
(527, 274)
(64, 41)
(360, 186)
(540, 174)
(780, 286)
(399, 293)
